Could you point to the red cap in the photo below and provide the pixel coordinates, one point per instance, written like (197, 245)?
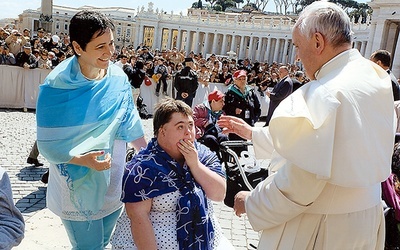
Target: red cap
(216, 95)
(239, 73)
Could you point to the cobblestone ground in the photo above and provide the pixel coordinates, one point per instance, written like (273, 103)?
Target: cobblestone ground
(17, 135)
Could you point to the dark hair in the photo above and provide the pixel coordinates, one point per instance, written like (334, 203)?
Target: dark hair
(86, 24)
(164, 111)
(139, 64)
(383, 56)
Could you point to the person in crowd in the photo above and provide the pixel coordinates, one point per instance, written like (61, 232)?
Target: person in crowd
(123, 60)
(3, 34)
(259, 80)
(53, 59)
(27, 34)
(33, 156)
(145, 54)
(298, 80)
(85, 117)
(214, 77)
(176, 56)
(186, 82)
(36, 53)
(391, 197)
(41, 35)
(44, 62)
(383, 59)
(12, 226)
(320, 195)
(61, 56)
(35, 42)
(136, 75)
(15, 42)
(203, 75)
(225, 76)
(168, 188)
(52, 44)
(205, 117)
(6, 57)
(280, 91)
(241, 101)
(161, 73)
(26, 59)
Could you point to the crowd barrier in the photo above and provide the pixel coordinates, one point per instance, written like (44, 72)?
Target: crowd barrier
(19, 89)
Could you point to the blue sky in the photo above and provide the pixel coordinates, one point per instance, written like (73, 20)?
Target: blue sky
(11, 8)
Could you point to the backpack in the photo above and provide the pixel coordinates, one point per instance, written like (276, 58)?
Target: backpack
(141, 107)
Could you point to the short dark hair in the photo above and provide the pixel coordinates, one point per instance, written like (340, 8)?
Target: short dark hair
(164, 111)
(86, 24)
(383, 56)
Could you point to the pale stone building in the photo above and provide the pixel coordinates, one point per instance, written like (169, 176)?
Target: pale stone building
(246, 35)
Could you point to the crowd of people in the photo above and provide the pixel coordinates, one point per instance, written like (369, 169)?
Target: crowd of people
(44, 50)
(323, 191)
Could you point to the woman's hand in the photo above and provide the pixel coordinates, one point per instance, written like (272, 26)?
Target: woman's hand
(213, 184)
(189, 152)
(91, 160)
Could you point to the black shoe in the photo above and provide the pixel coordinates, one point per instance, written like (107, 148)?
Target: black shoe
(157, 94)
(45, 177)
(34, 162)
(165, 93)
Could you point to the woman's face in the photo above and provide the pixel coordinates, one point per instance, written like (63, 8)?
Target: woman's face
(180, 127)
(98, 51)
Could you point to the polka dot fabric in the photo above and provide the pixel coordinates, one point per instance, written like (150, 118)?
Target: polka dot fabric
(163, 219)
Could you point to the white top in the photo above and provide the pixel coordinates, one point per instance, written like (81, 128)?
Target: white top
(58, 194)
(163, 220)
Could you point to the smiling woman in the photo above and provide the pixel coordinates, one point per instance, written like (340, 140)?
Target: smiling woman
(85, 116)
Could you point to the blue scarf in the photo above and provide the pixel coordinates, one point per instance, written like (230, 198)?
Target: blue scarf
(152, 172)
(74, 116)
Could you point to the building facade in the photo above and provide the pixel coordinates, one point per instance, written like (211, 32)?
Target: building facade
(245, 35)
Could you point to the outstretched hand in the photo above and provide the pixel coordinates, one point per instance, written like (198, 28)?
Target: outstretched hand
(232, 124)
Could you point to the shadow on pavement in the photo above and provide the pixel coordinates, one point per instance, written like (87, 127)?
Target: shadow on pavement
(33, 202)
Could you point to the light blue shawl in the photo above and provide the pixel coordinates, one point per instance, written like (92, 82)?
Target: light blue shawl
(74, 116)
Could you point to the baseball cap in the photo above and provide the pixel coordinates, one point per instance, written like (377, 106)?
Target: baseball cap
(216, 95)
(40, 30)
(239, 73)
(55, 38)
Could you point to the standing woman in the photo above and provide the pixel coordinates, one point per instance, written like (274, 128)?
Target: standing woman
(85, 116)
(241, 101)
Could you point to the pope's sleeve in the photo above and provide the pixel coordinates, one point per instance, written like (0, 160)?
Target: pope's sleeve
(262, 142)
(282, 196)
